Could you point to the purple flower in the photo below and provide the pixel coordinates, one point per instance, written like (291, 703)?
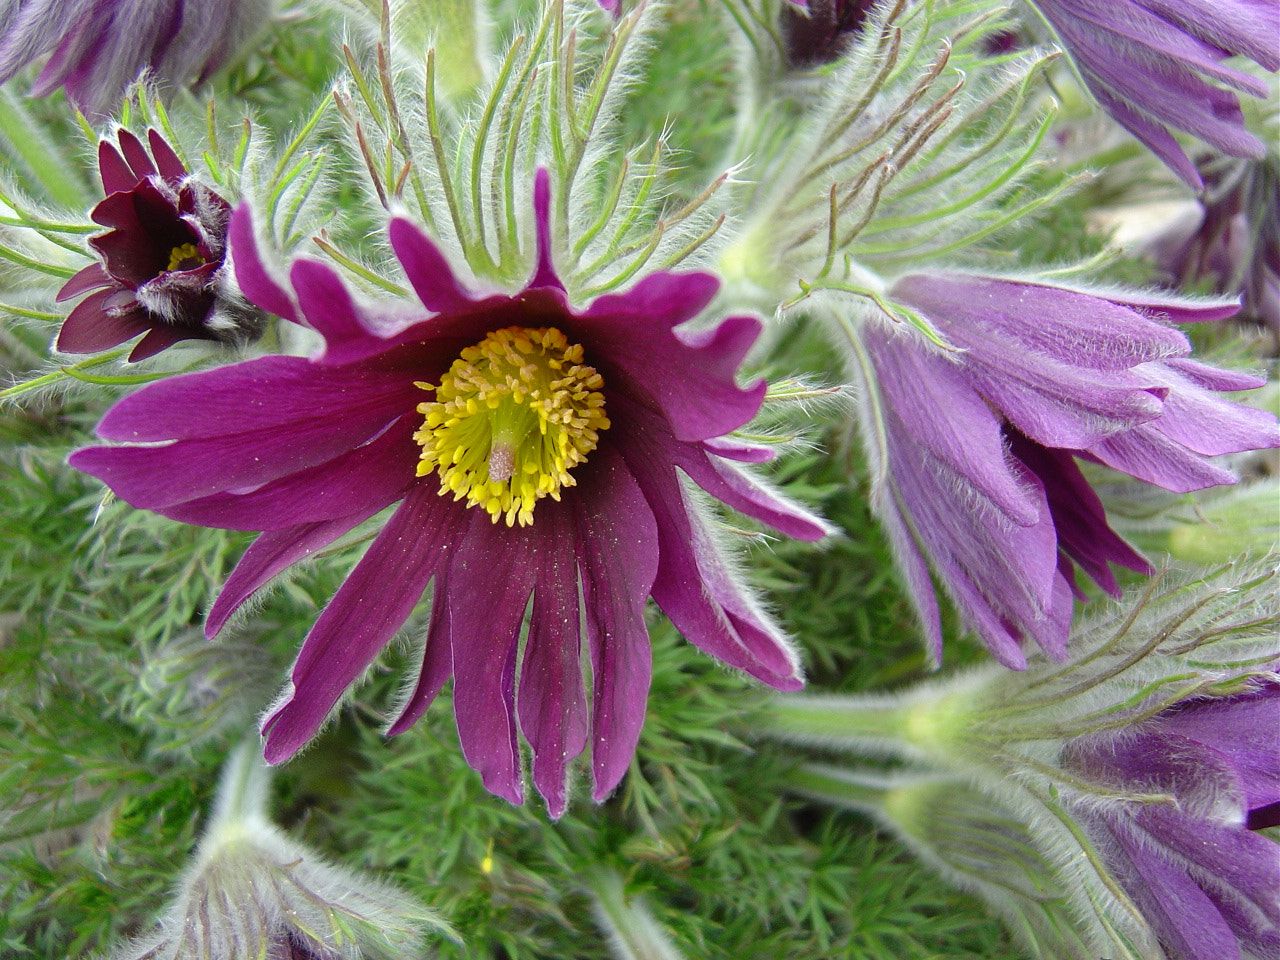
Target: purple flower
(979, 446)
(1185, 852)
(162, 261)
(1150, 63)
(535, 449)
(99, 47)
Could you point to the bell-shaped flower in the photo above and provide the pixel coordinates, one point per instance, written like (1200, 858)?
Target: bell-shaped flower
(537, 451)
(977, 447)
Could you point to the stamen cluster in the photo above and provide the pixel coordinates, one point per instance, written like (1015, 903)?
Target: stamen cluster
(512, 416)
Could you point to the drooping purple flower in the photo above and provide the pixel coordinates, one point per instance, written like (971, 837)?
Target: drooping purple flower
(535, 449)
(979, 446)
(1150, 63)
(99, 47)
(1197, 779)
(161, 271)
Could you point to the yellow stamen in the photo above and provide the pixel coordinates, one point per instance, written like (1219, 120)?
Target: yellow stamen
(185, 257)
(512, 416)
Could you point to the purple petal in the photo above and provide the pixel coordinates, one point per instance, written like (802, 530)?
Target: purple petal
(689, 377)
(161, 338)
(367, 478)
(1206, 423)
(117, 176)
(551, 701)
(135, 154)
(267, 556)
(1188, 924)
(746, 494)
(933, 403)
(492, 570)
(618, 547)
(91, 277)
(437, 658)
(1146, 453)
(427, 268)
(370, 606)
(1242, 730)
(1014, 317)
(90, 327)
(694, 587)
(1078, 515)
(168, 163)
(255, 280)
(269, 393)
(907, 551)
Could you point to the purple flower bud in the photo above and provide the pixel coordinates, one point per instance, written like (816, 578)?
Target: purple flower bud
(980, 445)
(1197, 780)
(1150, 63)
(99, 47)
(161, 270)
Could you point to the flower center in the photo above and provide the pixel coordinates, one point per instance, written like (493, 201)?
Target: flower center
(185, 257)
(512, 416)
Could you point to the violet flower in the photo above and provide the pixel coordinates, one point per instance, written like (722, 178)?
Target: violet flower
(162, 262)
(1187, 855)
(1150, 63)
(99, 47)
(560, 434)
(978, 448)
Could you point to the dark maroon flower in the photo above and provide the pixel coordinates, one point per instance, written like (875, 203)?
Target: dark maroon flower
(978, 446)
(1197, 780)
(820, 33)
(564, 437)
(162, 261)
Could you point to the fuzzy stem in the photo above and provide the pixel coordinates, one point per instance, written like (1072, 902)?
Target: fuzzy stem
(632, 931)
(243, 788)
(860, 723)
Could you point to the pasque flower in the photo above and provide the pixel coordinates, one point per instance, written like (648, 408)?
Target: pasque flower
(1208, 771)
(534, 449)
(1150, 63)
(162, 263)
(99, 47)
(977, 447)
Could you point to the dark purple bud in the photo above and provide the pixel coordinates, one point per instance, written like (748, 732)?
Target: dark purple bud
(161, 271)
